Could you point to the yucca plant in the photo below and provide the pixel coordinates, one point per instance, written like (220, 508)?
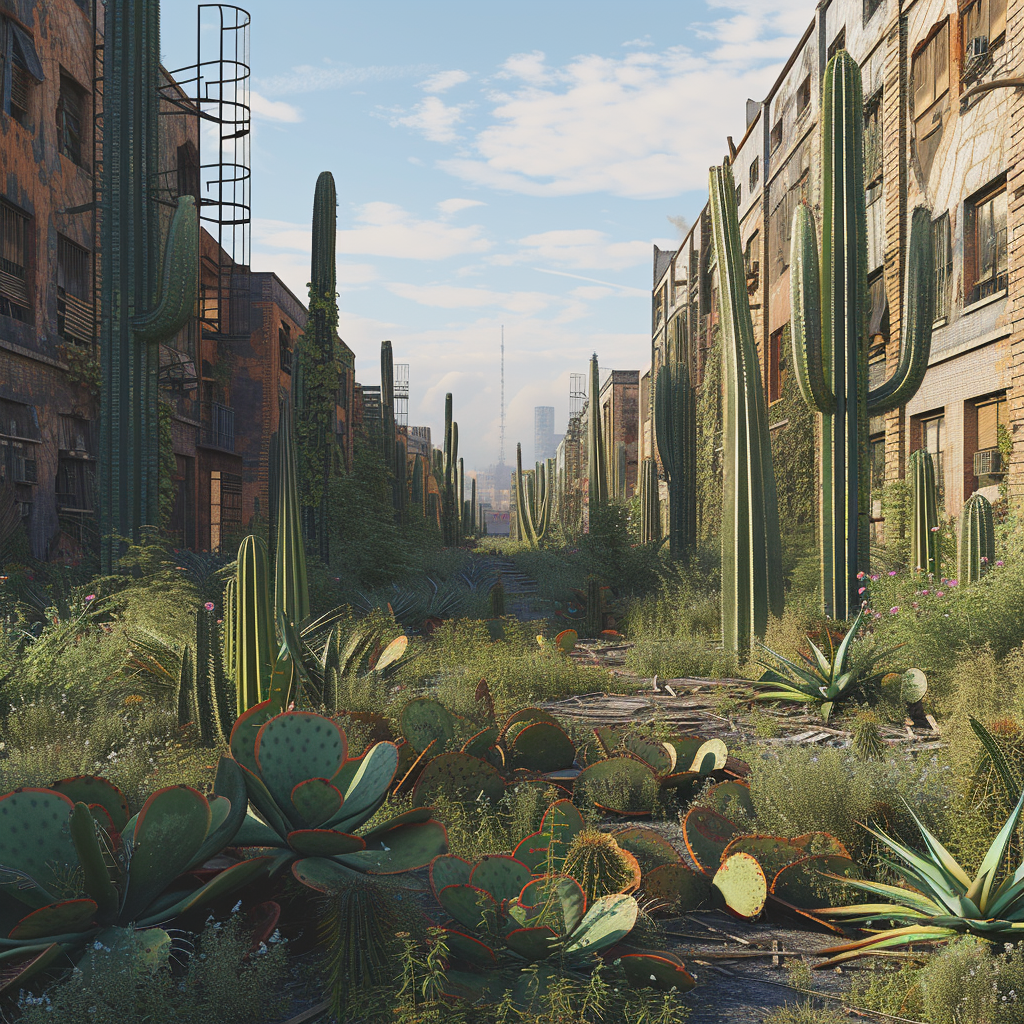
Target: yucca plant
(943, 901)
(822, 680)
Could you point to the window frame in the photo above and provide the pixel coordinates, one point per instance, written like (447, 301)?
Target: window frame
(993, 41)
(71, 94)
(803, 96)
(775, 370)
(941, 226)
(974, 284)
(16, 302)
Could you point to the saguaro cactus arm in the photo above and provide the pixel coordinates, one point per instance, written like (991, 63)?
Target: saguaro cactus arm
(916, 339)
(179, 280)
(805, 291)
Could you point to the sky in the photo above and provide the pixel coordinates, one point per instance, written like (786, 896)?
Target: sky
(496, 165)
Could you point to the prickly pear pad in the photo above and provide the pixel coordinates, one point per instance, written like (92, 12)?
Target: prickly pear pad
(55, 919)
(35, 843)
(316, 800)
(92, 789)
(296, 746)
(502, 877)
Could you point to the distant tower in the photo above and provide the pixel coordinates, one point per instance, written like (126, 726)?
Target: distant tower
(402, 394)
(501, 433)
(543, 432)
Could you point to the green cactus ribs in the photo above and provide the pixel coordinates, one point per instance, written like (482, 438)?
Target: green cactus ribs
(976, 549)
(830, 344)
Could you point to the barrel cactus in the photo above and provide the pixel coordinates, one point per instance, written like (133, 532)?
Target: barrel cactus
(830, 345)
(924, 523)
(977, 543)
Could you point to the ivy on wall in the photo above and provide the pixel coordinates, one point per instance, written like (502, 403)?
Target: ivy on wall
(168, 467)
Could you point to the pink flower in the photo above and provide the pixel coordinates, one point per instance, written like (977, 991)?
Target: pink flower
(935, 529)
(952, 583)
(924, 593)
(939, 593)
(209, 606)
(914, 605)
(893, 611)
(860, 575)
(999, 562)
(984, 558)
(874, 578)
(90, 597)
(861, 590)
(892, 572)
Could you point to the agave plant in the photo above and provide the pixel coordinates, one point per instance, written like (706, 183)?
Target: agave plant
(311, 798)
(943, 901)
(822, 680)
(75, 866)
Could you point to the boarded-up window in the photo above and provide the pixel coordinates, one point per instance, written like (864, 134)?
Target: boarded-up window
(225, 505)
(873, 140)
(930, 73)
(18, 420)
(992, 414)
(14, 235)
(69, 118)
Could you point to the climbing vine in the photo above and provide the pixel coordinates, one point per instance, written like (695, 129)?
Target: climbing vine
(709, 445)
(168, 466)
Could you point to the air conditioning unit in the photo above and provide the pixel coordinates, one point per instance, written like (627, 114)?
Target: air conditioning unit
(24, 470)
(988, 463)
(975, 48)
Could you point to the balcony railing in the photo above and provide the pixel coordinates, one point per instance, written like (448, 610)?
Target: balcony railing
(218, 426)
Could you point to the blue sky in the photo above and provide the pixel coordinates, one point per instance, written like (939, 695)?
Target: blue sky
(495, 164)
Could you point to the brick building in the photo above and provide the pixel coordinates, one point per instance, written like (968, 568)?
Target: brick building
(944, 128)
(220, 377)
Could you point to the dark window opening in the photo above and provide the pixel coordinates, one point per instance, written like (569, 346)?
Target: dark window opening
(75, 484)
(188, 171)
(943, 251)
(877, 456)
(870, 6)
(753, 177)
(739, 196)
(984, 27)
(839, 43)
(930, 89)
(776, 367)
(75, 321)
(985, 249)
(70, 105)
(803, 95)
(873, 141)
(776, 136)
(19, 70)
(284, 341)
(14, 236)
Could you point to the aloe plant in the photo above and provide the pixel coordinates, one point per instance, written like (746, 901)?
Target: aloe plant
(940, 900)
(79, 867)
(311, 801)
(830, 345)
(924, 522)
(752, 584)
(821, 680)
(977, 545)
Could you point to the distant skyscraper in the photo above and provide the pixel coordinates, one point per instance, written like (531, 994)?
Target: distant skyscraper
(543, 433)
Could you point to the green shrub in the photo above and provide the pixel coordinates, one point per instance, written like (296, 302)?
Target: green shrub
(968, 983)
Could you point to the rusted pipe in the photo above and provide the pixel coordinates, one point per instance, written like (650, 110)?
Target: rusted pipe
(997, 83)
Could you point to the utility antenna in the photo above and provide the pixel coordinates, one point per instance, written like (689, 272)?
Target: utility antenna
(501, 433)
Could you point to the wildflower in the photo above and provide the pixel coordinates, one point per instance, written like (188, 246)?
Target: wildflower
(984, 558)
(861, 590)
(952, 583)
(999, 561)
(209, 606)
(924, 593)
(874, 579)
(894, 611)
(90, 597)
(935, 529)
(892, 572)
(860, 575)
(939, 593)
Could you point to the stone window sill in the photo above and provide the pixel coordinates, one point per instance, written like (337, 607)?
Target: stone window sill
(981, 303)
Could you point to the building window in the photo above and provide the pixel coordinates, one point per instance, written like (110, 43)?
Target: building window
(870, 6)
(993, 413)
(74, 434)
(877, 456)
(19, 70)
(839, 43)
(188, 171)
(873, 140)
(284, 341)
(943, 251)
(930, 74)
(781, 226)
(739, 196)
(933, 438)
(776, 367)
(984, 26)
(14, 249)
(74, 484)
(70, 105)
(753, 177)
(985, 262)
(803, 96)
(225, 506)
(74, 308)
(776, 136)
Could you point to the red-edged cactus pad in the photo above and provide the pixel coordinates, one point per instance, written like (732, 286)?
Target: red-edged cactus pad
(448, 870)
(102, 817)
(479, 744)
(316, 801)
(296, 746)
(706, 834)
(679, 886)
(805, 883)
(608, 736)
(741, 883)
(169, 831)
(663, 971)
(650, 848)
(259, 796)
(91, 789)
(458, 777)
(325, 875)
(245, 731)
(35, 843)
(411, 817)
(566, 640)
(473, 908)
(556, 901)
(535, 943)
(561, 823)
(324, 842)
(821, 844)
(710, 757)
(391, 653)
(425, 721)
(503, 877)
(527, 716)
(619, 785)
(465, 949)
(401, 849)
(607, 921)
(56, 919)
(542, 747)
(773, 853)
(660, 756)
(730, 799)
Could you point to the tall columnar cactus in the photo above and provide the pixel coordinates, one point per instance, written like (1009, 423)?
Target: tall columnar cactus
(213, 703)
(751, 544)
(419, 482)
(315, 376)
(597, 466)
(650, 506)
(401, 474)
(830, 344)
(593, 622)
(449, 477)
(675, 429)
(524, 511)
(140, 306)
(620, 470)
(473, 517)
(977, 542)
(924, 523)
(389, 443)
(461, 498)
(291, 587)
(253, 622)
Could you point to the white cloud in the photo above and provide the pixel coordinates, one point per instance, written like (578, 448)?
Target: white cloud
(433, 119)
(308, 78)
(444, 80)
(273, 110)
(530, 67)
(447, 296)
(583, 248)
(640, 43)
(450, 206)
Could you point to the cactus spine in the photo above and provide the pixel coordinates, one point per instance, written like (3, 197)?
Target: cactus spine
(751, 544)
(830, 308)
(675, 428)
(977, 543)
(650, 507)
(597, 466)
(924, 524)
(139, 308)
